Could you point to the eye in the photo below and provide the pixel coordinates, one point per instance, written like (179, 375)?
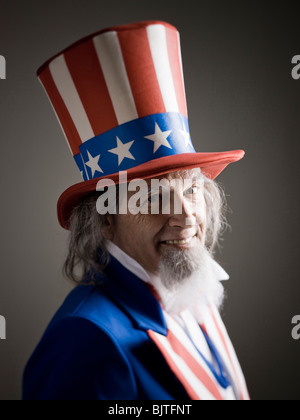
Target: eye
(193, 190)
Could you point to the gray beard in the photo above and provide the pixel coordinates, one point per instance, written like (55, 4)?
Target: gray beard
(186, 281)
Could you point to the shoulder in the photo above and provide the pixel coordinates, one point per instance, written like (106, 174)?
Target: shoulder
(92, 304)
(82, 301)
(87, 315)
(77, 352)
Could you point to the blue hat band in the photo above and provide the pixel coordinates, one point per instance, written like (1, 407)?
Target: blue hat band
(133, 144)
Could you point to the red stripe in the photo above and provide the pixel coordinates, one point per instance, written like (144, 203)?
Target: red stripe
(88, 78)
(203, 327)
(189, 389)
(175, 63)
(141, 72)
(129, 27)
(61, 111)
(227, 351)
(195, 367)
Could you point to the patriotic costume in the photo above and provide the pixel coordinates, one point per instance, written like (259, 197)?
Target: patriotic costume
(114, 342)
(119, 96)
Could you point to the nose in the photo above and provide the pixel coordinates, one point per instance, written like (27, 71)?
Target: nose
(183, 214)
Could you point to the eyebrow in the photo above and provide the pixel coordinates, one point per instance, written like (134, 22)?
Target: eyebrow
(156, 189)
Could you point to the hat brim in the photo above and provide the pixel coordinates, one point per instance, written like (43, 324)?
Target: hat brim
(211, 164)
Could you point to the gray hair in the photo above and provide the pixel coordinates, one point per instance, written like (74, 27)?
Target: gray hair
(87, 253)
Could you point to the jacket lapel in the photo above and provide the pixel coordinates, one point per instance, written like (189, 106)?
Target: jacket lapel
(140, 304)
(133, 296)
(186, 363)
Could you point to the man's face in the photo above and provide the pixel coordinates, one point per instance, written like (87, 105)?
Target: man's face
(146, 237)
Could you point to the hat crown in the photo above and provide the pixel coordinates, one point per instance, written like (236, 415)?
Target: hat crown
(119, 95)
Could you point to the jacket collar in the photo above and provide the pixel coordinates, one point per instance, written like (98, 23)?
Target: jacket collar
(133, 296)
(132, 265)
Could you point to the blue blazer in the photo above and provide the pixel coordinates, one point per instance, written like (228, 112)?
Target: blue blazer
(97, 346)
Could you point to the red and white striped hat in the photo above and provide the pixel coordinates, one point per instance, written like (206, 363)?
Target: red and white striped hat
(120, 98)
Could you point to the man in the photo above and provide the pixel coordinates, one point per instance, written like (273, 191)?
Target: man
(143, 324)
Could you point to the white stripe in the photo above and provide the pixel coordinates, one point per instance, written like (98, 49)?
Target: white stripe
(158, 44)
(111, 60)
(67, 89)
(193, 330)
(181, 65)
(86, 173)
(201, 391)
(233, 366)
(187, 344)
(62, 129)
(237, 367)
(217, 341)
(234, 361)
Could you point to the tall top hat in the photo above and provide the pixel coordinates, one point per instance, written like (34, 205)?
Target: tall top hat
(120, 98)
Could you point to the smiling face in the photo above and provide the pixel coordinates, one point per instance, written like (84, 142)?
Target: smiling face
(147, 237)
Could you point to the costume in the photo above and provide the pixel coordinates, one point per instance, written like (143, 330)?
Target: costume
(109, 342)
(120, 99)
(119, 96)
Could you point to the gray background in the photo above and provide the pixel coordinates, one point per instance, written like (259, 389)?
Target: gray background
(237, 63)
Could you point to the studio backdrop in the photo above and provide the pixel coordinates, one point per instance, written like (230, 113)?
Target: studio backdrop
(242, 76)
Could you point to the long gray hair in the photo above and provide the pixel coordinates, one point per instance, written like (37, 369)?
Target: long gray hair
(87, 253)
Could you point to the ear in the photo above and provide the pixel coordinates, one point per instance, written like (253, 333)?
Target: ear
(108, 228)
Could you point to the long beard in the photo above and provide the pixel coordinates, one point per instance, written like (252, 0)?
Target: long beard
(186, 281)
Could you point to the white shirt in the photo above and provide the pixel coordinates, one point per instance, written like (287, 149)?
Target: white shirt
(185, 319)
